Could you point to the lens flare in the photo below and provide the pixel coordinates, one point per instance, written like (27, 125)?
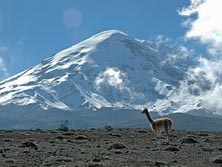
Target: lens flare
(72, 18)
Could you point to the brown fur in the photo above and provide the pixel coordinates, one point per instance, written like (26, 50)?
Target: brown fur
(159, 125)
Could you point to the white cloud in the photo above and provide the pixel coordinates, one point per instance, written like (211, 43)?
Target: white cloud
(204, 23)
(203, 84)
(3, 69)
(182, 55)
(9, 56)
(3, 49)
(112, 76)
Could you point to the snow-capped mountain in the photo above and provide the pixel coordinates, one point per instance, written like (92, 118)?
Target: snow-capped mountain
(108, 70)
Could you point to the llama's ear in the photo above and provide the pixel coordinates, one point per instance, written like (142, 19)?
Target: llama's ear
(145, 109)
(142, 111)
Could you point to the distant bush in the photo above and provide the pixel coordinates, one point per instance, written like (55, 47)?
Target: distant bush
(63, 126)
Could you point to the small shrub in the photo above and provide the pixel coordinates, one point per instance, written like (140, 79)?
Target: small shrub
(63, 126)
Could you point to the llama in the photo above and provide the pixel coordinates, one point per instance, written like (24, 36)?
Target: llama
(159, 125)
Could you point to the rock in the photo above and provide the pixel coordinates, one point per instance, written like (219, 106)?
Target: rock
(165, 143)
(68, 134)
(115, 134)
(60, 137)
(171, 148)
(191, 136)
(220, 149)
(206, 140)
(51, 141)
(81, 137)
(106, 158)
(188, 140)
(30, 145)
(95, 165)
(173, 136)
(55, 161)
(174, 161)
(26, 152)
(161, 164)
(217, 159)
(108, 128)
(9, 161)
(117, 146)
(207, 149)
(7, 140)
(142, 131)
(203, 134)
(6, 149)
(96, 159)
(69, 141)
(118, 152)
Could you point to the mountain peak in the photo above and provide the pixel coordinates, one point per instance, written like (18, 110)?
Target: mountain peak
(111, 33)
(103, 36)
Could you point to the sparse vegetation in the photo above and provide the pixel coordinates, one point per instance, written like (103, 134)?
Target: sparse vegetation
(63, 126)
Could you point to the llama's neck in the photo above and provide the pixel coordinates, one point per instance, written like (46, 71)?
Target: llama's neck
(149, 117)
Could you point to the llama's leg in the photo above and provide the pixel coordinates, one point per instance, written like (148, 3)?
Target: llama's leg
(168, 134)
(157, 136)
(167, 129)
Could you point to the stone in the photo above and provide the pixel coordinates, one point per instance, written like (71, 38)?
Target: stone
(161, 164)
(55, 161)
(188, 140)
(60, 137)
(217, 159)
(108, 128)
(117, 146)
(30, 145)
(207, 149)
(171, 148)
(81, 137)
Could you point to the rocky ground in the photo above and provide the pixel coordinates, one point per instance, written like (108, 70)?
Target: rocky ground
(109, 147)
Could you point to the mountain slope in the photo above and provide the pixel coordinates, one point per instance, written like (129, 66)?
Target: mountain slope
(109, 69)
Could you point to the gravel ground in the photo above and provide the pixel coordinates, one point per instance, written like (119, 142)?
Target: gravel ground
(109, 147)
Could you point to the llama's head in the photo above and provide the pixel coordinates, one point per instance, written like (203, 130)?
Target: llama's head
(145, 110)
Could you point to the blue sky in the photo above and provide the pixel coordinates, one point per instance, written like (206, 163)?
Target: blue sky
(32, 30)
